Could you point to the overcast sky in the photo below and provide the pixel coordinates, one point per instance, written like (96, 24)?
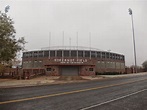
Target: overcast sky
(107, 20)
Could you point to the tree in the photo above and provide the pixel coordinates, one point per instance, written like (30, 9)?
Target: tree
(144, 64)
(9, 45)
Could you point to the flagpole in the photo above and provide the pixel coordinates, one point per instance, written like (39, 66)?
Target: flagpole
(77, 46)
(49, 43)
(70, 46)
(90, 43)
(63, 45)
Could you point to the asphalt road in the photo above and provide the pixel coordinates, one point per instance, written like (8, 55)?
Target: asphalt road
(125, 93)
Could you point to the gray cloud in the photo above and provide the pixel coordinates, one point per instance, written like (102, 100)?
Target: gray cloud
(108, 21)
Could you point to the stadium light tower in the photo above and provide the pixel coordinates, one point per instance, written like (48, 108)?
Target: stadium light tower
(7, 8)
(131, 13)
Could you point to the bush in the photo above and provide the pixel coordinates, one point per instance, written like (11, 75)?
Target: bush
(144, 64)
(108, 73)
(2, 68)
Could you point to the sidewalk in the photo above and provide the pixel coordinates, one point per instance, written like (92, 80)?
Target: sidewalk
(50, 80)
(124, 75)
(6, 83)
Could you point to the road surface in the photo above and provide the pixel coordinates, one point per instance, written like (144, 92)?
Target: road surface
(123, 93)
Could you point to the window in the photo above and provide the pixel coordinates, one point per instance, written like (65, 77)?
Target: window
(116, 56)
(40, 54)
(24, 55)
(46, 53)
(35, 54)
(107, 55)
(123, 58)
(87, 54)
(59, 53)
(80, 53)
(113, 56)
(90, 69)
(29, 54)
(73, 53)
(120, 57)
(93, 54)
(66, 53)
(52, 53)
(110, 55)
(48, 69)
(98, 54)
(103, 54)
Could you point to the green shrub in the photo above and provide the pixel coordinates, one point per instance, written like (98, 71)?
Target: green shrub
(108, 73)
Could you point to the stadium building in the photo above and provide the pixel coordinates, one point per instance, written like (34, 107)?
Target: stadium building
(71, 61)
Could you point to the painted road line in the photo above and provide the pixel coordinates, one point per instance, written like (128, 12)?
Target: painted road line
(65, 93)
(112, 100)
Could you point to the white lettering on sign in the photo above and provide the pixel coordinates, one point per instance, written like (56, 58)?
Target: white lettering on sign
(71, 61)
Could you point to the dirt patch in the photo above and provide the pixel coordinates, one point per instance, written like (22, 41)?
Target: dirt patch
(45, 80)
(69, 78)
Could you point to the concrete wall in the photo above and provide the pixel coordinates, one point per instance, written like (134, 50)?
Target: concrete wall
(87, 70)
(110, 66)
(52, 70)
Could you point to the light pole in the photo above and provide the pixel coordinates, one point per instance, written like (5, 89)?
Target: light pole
(131, 13)
(7, 8)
